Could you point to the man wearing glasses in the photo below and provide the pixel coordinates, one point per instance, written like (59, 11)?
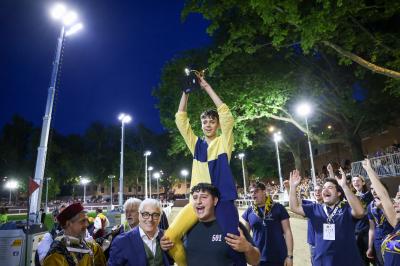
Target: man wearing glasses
(141, 245)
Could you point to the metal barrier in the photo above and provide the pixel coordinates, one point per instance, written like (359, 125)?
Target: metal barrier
(384, 166)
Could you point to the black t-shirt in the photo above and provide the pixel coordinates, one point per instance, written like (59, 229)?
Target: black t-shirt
(205, 245)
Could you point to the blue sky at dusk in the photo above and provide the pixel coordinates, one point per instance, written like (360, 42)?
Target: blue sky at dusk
(109, 67)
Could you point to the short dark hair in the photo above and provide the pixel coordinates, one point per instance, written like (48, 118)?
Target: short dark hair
(338, 187)
(204, 187)
(259, 185)
(211, 113)
(99, 210)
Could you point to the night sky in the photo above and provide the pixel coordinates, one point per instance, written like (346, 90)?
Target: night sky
(110, 66)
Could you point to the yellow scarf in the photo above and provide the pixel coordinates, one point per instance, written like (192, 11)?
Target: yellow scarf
(267, 208)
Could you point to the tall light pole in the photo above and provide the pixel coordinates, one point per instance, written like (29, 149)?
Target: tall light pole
(68, 27)
(241, 157)
(277, 138)
(124, 120)
(11, 185)
(157, 176)
(185, 173)
(146, 154)
(84, 182)
(150, 168)
(47, 192)
(304, 110)
(111, 177)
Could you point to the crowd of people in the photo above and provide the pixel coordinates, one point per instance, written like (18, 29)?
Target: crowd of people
(209, 230)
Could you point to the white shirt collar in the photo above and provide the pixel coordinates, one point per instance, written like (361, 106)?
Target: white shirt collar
(144, 236)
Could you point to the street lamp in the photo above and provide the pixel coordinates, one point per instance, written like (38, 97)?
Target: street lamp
(241, 157)
(111, 177)
(84, 182)
(146, 154)
(157, 176)
(304, 110)
(47, 192)
(277, 138)
(69, 26)
(150, 168)
(124, 120)
(185, 173)
(11, 185)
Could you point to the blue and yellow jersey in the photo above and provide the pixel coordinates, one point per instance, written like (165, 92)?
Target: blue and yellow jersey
(211, 161)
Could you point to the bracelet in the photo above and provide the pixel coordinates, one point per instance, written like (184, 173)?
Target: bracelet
(290, 257)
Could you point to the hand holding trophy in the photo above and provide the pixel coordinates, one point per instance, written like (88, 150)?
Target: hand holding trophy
(193, 80)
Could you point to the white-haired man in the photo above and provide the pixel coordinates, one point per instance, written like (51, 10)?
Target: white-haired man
(141, 245)
(131, 207)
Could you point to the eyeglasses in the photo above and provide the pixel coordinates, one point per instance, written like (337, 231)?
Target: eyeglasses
(154, 215)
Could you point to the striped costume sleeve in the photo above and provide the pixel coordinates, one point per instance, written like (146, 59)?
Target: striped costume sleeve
(226, 121)
(182, 122)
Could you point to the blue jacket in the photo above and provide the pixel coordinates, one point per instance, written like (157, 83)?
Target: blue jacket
(128, 249)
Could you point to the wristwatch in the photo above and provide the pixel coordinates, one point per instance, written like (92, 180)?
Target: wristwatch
(290, 257)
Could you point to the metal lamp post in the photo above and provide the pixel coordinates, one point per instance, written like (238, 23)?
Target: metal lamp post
(124, 120)
(241, 157)
(84, 182)
(185, 173)
(69, 26)
(157, 176)
(47, 193)
(304, 110)
(111, 177)
(150, 168)
(146, 154)
(277, 138)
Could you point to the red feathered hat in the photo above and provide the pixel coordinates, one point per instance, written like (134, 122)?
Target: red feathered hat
(69, 213)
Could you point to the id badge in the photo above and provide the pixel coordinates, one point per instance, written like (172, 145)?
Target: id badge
(329, 232)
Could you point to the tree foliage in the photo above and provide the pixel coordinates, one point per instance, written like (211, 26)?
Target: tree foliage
(362, 32)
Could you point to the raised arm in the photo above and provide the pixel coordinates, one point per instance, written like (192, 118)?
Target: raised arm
(294, 203)
(183, 103)
(330, 171)
(214, 97)
(382, 193)
(357, 209)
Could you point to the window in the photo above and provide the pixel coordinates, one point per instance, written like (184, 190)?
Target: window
(139, 188)
(130, 189)
(113, 189)
(102, 189)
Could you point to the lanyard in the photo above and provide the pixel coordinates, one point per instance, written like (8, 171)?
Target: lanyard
(330, 216)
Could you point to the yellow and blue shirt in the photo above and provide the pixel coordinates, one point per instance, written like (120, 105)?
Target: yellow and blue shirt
(211, 161)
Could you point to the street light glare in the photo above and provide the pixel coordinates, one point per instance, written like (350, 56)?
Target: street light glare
(77, 27)
(147, 153)
(124, 118)
(185, 172)
(303, 109)
(150, 168)
(58, 11)
(241, 155)
(85, 181)
(187, 71)
(12, 184)
(70, 18)
(277, 137)
(156, 175)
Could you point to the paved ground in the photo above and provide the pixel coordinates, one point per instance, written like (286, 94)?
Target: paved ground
(299, 229)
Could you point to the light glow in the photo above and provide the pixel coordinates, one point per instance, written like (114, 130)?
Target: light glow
(70, 18)
(303, 109)
(184, 172)
(156, 175)
(241, 155)
(147, 153)
(85, 181)
(58, 11)
(11, 184)
(77, 27)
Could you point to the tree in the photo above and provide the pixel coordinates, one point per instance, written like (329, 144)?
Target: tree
(360, 31)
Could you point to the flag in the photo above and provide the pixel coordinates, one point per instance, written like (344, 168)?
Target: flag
(32, 186)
